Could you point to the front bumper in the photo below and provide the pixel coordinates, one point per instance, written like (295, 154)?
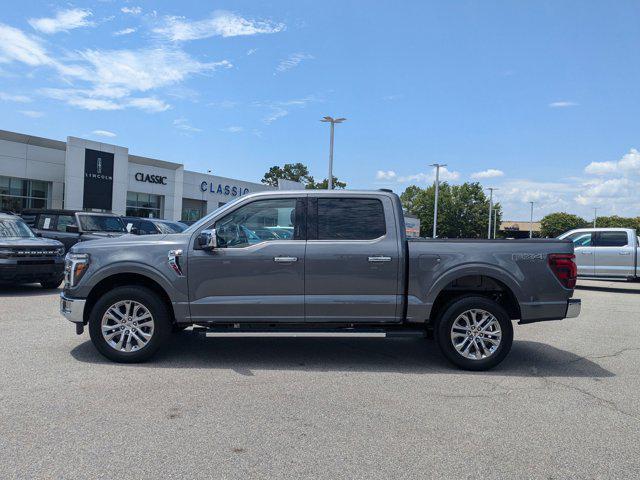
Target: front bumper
(72, 308)
(574, 306)
(28, 270)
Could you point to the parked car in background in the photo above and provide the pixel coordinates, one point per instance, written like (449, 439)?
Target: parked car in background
(151, 226)
(606, 252)
(347, 269)
(26, 258)
(71, 227)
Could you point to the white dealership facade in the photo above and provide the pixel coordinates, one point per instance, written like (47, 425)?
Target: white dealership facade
(82, 174)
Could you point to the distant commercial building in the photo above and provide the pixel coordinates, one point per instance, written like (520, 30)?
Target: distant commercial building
(82, 174)
(519, 229)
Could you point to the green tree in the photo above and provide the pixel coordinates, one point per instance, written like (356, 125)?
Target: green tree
(296, 172)
(554, 224)
(323, 185)
(615, 221)
(463, 210)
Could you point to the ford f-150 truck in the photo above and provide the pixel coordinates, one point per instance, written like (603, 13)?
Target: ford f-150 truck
(338, 264)
(606, 252)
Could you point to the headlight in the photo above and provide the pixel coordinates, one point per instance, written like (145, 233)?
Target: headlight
(75, 267)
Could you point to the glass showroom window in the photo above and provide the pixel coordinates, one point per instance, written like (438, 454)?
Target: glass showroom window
(144, 205)
(17, 194)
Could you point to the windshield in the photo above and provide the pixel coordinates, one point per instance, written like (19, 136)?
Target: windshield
(170, 227)
(15, 229)
(206, 218)
(101, 223)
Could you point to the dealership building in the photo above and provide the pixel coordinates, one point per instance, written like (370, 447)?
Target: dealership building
(82, 174)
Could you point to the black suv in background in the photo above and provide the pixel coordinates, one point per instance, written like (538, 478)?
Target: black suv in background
(25, 258)
(71, 227)
(152, 226)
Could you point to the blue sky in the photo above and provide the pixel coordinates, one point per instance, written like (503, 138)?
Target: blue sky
(539, 99)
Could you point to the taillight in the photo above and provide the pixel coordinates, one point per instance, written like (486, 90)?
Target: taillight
(564, 268)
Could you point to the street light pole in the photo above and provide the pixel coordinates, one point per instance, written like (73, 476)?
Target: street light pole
(491, 189)
(333, 121)
(435, 203)
(595, 216)
(531, 221)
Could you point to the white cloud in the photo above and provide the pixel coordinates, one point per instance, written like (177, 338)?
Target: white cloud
(7, 97)
(281, 109)
(386, 175)
(233, 129)
(149, 104)
(124, 31)
(183, 124)
(32, 113)
(600, 168)
(292, 61)
(104, 133)
(251, 51)
(628, 164)
(224, 24)
(563, 104)
(614, 189)
(392, 176)
(131, 10)
(489, 173)
(15, 45)
(64, 21)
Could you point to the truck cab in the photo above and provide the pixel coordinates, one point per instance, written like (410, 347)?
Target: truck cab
(605, 252)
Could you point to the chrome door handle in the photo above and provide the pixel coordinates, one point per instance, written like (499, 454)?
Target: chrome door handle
(285, 259)
(624, 253)
(379, 259)
(585, 253)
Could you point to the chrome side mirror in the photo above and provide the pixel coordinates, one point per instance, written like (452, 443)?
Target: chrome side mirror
(207, 240)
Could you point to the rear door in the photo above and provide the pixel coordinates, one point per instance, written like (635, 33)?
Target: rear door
(584, 250)
(352, 260)
(614, 255)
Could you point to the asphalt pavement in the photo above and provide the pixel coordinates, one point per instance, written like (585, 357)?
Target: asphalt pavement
(564, 404)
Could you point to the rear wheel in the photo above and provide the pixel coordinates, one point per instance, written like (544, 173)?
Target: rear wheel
(129, 324)
(474, 333)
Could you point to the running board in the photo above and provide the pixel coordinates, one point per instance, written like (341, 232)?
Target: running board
(225, 332)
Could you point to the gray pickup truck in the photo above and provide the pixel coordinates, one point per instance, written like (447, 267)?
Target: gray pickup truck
(315, 263)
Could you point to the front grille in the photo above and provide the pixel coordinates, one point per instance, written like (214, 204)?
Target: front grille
(34, 252)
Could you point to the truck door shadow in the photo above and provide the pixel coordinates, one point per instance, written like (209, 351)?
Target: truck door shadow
(411, 356)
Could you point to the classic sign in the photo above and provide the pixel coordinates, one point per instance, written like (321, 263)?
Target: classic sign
(150, 178)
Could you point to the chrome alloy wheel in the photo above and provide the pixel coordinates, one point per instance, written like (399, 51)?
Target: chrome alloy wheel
(476, 334)
(127, 326)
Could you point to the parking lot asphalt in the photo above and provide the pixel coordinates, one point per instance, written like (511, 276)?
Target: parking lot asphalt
(564, 404)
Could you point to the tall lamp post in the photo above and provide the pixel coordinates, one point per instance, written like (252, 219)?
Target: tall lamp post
(595, 216)
(531, 221)
(435, 203)
(332, 121)
(491, 189)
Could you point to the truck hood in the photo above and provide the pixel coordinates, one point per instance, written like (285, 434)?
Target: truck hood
(129, 241)
(30, 242)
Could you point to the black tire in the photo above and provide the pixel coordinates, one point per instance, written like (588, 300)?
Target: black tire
(51, 284)
(150, 301)
(444, 333)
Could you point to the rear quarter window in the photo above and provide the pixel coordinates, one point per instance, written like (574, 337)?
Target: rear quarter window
(46, 222)
(612, 239)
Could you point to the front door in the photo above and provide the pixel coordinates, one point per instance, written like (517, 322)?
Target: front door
(584, 252)
(256, 274)
(614, 254)
(352, 260)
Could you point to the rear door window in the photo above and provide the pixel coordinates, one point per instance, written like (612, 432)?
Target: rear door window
(612, 239)
(350, 219)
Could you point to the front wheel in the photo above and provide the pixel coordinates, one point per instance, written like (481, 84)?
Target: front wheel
(129, 324)
(474, 333)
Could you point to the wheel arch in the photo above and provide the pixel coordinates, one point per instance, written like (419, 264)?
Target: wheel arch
(124, 279)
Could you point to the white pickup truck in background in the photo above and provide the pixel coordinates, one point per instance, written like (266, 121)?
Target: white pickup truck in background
(605, 252)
